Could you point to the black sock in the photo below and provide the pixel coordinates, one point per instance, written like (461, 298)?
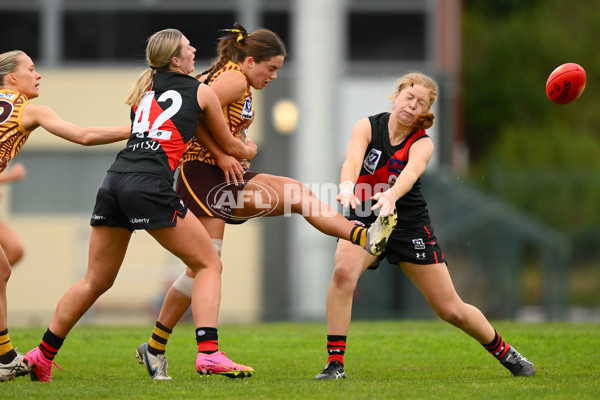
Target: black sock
(497, 347)
(50, 344)
(336, 348)
(7, 353)
(207, 340)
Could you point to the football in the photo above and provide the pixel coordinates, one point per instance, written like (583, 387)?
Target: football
(565, 83)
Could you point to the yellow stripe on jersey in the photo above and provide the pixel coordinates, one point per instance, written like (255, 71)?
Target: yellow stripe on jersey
(12, 133)
(238, 115)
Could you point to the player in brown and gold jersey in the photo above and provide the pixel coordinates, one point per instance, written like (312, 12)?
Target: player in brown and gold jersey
(239, 114)
(245, 62)
(10, 241)
(19, 83)
(12, 133)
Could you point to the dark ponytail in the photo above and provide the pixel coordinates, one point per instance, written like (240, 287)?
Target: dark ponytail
(237, 44)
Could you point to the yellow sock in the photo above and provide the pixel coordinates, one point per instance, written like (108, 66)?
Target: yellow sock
(5, 344)
(358, 235)
(158, 342)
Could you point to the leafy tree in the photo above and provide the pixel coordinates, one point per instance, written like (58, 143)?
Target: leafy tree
(539, 156)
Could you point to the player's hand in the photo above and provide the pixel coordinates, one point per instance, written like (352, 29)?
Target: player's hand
(346, 196)
(252, 147)
(231, 168)
(386, 202)
(348, 199)
(16, 172)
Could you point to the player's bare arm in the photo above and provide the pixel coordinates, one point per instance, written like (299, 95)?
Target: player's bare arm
(229, 87)
(230, 166)
(418, 156)
(215, 122)
(359, 141)
(38, 115)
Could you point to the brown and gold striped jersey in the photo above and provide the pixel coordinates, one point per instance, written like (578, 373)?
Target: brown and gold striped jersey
(238, 115)
(12, 133)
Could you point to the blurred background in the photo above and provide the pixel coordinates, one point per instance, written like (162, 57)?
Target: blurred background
(513, 187)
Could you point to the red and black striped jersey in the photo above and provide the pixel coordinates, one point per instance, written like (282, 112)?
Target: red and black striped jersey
(383, 163)
(162, 125)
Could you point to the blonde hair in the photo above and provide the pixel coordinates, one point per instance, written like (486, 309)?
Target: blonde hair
(424, 121)
(162, 47)
(9, 62)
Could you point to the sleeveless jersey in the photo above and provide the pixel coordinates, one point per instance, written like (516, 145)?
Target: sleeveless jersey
(381, 166)
(238, 115)
(12, 133)
(161, 126)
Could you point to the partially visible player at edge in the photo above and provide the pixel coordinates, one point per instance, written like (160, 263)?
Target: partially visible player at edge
(168, 107)
(10, 241)
(246, 61)
(19, 83)
(392, 149)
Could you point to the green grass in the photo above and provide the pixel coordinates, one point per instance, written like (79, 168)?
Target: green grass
(384, 360)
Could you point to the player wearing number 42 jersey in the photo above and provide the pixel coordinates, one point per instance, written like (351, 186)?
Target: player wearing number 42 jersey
(246, 62)
(168, 109)
(162, 125)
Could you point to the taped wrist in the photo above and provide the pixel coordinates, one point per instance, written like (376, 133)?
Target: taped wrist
(346, 187)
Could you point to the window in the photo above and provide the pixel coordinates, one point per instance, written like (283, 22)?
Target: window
(387, 36)
(279, 22)
(21, 31)
(122, 35)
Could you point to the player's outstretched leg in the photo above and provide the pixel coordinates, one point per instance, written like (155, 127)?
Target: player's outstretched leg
(218, 363)
(379, 232)
(156, 364)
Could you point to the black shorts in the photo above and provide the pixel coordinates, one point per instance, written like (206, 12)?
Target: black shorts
(137, 201)
(414, 245)
(205, 192)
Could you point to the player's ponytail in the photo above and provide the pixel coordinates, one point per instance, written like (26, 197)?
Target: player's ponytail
(8, 63)
(162, 47)
(237, 44)
(142, 84)
(230, 48)
(424, 121)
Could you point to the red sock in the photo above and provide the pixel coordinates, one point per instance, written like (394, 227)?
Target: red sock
(207, 339)
(497, 347)
(336, 348)
(50, 344)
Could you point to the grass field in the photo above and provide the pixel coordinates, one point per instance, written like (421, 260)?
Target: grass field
(384, 360)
